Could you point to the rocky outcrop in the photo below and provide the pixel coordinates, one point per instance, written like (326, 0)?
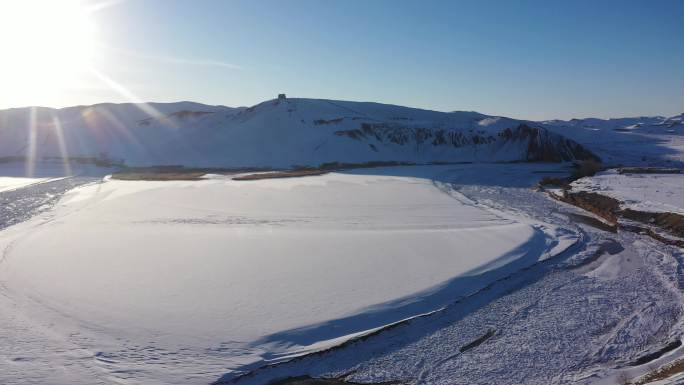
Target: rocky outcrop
(545, 146)
(538, 143)
(402, 135)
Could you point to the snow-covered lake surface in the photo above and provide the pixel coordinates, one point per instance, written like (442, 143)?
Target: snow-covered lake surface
(14, 175)
(180, 282)
(644, 192)
(11, 183)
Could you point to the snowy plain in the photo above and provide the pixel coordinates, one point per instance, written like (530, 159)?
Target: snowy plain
(184, 281)
(12, 183)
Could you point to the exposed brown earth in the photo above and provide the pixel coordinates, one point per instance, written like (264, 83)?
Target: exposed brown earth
(157, 176)
(324, 168)
(648, 170)
(282, 174)
(609, 209)
(653, 234)
(160, 173)
(601, 205)
(98, 161)
(593, 222)
(662, 373)
(671, 222)
(306, 380)
(563, 183)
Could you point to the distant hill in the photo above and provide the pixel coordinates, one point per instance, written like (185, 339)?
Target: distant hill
(278, 133)
(646, 140)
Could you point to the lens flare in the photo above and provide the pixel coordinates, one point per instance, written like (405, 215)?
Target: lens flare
(31, 142)
(57, 124)
(130, 96)
(47, 47)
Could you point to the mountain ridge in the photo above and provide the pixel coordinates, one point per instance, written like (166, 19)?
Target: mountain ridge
(287, 132)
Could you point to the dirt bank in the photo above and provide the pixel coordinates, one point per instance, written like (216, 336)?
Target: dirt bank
(306, 380)
(159, 173)
(281, 174)
(601, 205)
(649, 223)
(673, 223)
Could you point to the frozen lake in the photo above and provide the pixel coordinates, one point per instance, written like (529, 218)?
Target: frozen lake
(179, 282)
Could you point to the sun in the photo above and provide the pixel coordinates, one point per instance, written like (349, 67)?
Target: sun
(46, 47)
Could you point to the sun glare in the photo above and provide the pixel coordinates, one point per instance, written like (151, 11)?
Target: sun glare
(47, 46)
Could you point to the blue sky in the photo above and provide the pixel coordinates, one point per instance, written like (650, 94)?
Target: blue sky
(524, 59)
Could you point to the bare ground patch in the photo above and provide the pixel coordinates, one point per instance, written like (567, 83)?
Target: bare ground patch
(162, 173)
(666, 371)
(648, 170)
(648, 223)
(306, 380)
(281, 174)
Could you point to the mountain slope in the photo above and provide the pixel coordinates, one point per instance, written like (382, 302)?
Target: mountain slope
(640, 140)
(275, 133)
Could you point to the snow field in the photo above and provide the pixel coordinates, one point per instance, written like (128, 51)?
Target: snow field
(181, 282)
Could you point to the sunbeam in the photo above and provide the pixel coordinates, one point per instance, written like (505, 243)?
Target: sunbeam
(99, 5)
(114, 121)
(139, 103)
(31, 145)
(171, 59)
(57, 125)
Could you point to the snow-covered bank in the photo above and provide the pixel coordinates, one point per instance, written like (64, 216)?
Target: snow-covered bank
(643, 192)
(13, 183)
(181, 282)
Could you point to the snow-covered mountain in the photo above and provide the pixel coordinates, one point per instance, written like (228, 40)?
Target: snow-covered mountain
(650, 124)
(654, 140)
(275, 133)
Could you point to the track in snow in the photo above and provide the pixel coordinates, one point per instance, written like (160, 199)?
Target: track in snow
(20, 204)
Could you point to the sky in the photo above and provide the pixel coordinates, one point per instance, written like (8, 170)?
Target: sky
(524, 59)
